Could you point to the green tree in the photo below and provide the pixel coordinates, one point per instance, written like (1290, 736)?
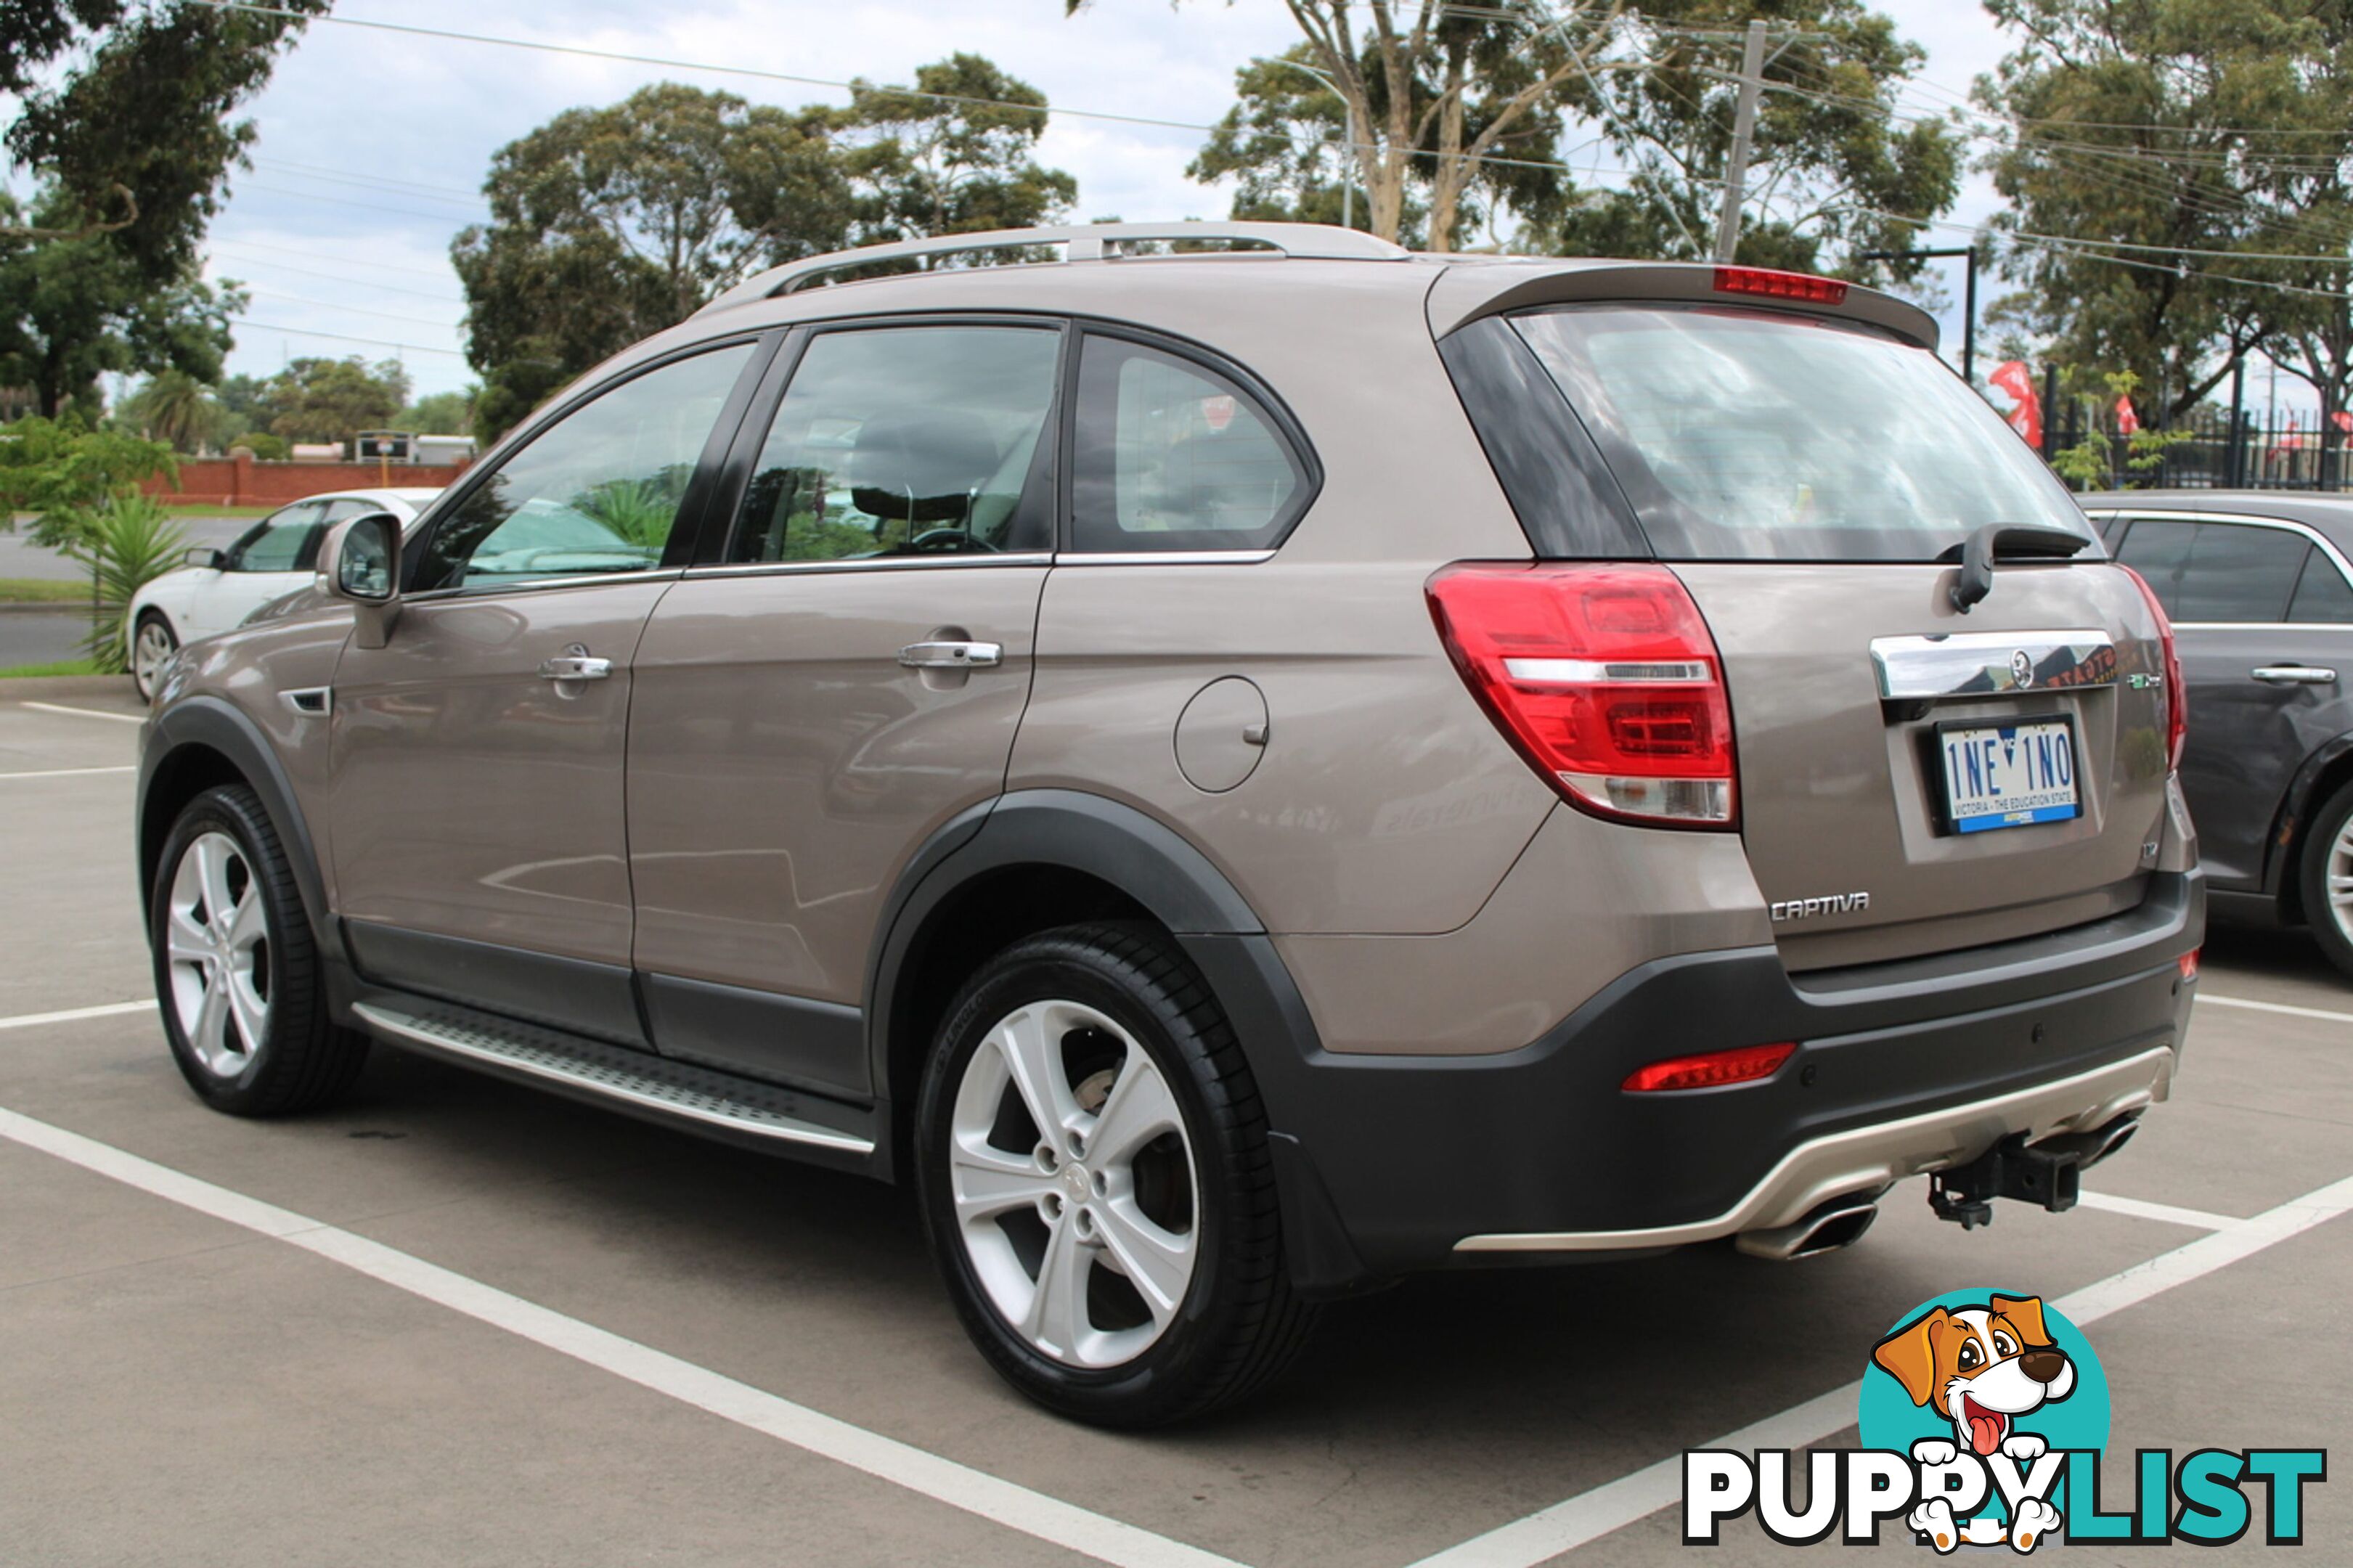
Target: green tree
(1439, 89)
(84, 484)
(608, 225)
(335, 399)
(174, 407)
(955, 155)
(440, 414)
(127, 108)
(2184, 150)
(1833, 169)
(1284, 144)
(73, 309)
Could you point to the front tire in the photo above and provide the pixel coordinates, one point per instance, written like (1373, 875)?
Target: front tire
(237, 974)
(151, 647)
(1092, 1163)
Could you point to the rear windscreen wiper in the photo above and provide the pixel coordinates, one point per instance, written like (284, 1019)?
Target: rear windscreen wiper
(2004, 541)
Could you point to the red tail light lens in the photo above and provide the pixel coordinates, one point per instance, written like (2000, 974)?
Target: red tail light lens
(2188, 962)
(2176, 696)
(1605, 679)
(1771, 285)
(1742, 1064)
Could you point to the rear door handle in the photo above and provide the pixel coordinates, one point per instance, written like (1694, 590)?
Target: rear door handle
(2293, 674)
(575, 663)
(952, 654)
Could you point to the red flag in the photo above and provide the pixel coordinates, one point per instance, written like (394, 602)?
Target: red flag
(2127, 422)
(2343, 421)
(2012, 377)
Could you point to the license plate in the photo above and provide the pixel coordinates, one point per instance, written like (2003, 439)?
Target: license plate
(2008, 775)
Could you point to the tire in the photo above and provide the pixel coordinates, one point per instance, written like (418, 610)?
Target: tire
(2331, 840)
(244, 1007)
(152, 644)
(1143, 1055)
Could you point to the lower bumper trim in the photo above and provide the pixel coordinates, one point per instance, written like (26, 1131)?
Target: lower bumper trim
(1861, 1159)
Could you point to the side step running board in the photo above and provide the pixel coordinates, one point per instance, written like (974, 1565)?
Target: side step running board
(742, 1111)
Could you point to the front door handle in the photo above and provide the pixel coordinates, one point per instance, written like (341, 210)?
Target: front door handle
(2293, 674)
(575, 663)
(952, 654)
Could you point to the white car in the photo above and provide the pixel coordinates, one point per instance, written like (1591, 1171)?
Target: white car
(218, 588)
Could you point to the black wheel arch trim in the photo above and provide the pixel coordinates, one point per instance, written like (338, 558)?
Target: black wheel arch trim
(2308, 792)
(214, 725)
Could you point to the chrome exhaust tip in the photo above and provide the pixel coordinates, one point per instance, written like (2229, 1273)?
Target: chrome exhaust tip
(1840, 1223)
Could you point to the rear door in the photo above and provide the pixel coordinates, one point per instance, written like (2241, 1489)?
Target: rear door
(844, 679)
(1803, 475)
(2264, 614)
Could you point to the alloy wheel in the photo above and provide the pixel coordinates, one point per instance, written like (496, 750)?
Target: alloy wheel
(2339, 872)
(150, 651)
(1076, 1198)
(216, 938)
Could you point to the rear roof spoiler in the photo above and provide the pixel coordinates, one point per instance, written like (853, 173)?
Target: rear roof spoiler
(1476, 287)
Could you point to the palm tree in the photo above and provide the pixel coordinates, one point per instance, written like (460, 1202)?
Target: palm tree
(175, 407)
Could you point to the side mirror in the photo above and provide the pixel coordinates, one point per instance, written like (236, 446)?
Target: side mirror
(206, 557)
(359, 561)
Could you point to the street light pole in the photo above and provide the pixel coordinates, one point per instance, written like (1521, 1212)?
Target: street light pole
(1349, 155)
(1969, 295)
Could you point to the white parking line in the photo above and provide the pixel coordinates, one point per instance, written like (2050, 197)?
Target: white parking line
(75, 1014)
(88, 712)
(1566, 1526)
(2280, 1007)
(2197, 1219)
(959, 1486)
(69, 772)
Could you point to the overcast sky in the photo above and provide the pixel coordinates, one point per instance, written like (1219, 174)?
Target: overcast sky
(373, 144)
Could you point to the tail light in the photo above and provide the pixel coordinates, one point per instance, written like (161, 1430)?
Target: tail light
(2176, 696)
(1605, 677)
(1742, 1064)
(1774, 285)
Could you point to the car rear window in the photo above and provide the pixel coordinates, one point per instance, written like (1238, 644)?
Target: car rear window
(1748, 434)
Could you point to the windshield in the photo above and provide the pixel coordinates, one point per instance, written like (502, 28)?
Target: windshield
(1746, 434)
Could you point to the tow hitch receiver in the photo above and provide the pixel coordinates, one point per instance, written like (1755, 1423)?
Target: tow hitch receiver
(2049, 1172)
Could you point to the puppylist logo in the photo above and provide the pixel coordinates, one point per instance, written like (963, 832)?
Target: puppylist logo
(1983, 1415)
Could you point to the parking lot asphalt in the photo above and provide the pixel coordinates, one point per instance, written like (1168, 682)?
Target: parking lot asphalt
(454, 1321)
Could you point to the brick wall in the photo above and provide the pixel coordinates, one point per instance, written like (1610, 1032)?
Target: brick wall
(242, 481)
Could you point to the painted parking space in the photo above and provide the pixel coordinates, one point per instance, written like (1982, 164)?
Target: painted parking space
(1422, 1418)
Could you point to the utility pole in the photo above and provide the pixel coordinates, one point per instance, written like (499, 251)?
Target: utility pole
(1744, 126)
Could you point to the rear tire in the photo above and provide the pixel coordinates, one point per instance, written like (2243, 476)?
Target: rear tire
(238, 976)
(1091, 1165)
(2328, 859)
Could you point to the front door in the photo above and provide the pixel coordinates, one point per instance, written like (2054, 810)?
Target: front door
(2263, 616)
(478, 837)
(851, 677)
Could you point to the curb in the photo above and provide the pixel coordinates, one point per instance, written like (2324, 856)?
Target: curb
(35, 686)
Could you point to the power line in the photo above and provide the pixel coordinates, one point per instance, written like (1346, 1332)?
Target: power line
(314, 256)
(276, 295)
(356, 282)
(340, 337)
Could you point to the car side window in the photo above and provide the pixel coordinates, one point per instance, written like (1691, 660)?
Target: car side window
(2238, 573)
(1169, 454)
(2322, 595)
(2159, 550)
(906, 440)
(595, 493)
(280, 542)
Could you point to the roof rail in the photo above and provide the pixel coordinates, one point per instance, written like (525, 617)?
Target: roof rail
(1078, 242)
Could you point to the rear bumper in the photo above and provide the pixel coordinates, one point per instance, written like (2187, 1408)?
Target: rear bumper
(1396, 1164)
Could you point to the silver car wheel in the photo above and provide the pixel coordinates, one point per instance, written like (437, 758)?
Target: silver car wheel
(150, 651)
(1076, 1198)
(217, 936)
(2340, 878)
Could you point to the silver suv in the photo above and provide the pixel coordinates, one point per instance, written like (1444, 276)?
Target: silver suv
(1240, 762)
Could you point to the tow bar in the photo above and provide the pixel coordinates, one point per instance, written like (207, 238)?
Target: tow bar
(2049, 1172)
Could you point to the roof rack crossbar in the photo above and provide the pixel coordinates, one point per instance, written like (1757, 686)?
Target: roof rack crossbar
(1078, 242)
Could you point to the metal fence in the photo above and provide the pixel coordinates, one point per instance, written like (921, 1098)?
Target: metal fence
(2212, 452)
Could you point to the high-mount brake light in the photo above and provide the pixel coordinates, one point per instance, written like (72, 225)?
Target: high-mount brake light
(1711, 1070)
(1605, 677)
(1771, 285)
(2177, 697)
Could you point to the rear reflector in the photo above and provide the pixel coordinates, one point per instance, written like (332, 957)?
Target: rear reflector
(1771, 285)
(1742, 1064)
(2189, 964)
(1604, 678)
(2177, 699)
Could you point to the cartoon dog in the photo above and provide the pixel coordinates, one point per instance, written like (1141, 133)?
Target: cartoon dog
(1980, 1368)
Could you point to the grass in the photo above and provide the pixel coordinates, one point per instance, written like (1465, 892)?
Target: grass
(38, 591)
(191, 508)
(61, 666)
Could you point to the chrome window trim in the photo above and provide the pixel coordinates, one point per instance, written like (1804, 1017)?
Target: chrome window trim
(1925, 668)
(1163, 557)
(2317, 539)
(537, 584)
(867, 563)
